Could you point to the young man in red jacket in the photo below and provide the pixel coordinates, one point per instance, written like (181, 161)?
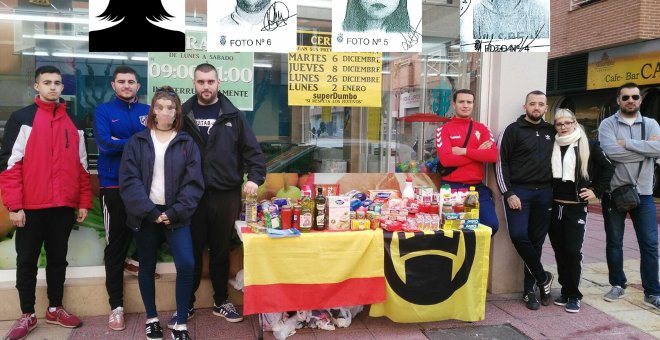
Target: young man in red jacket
(44, 180)
(469, 159)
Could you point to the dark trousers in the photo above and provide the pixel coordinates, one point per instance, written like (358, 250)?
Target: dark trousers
(147, 240)
(566, 236)
(212, 226)
(118, 238)
(646, 228)
(528, 228)
(487, 214)
(51, 228)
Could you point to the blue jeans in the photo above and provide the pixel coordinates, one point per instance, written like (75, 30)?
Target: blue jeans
(487, 214)
(147, 240)
(646, 228)
(528, 228)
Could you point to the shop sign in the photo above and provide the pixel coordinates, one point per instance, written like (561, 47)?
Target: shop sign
(409, 100)
(176, 69)
(613, 67)
(269, 27)
(386, 26)
(319, 77)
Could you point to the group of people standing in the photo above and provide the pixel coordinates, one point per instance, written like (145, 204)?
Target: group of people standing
(547, 175)
(168, 171)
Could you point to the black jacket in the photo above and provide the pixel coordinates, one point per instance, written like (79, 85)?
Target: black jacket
(600, 170)
(231, 149)
(183, 185)
(525, 152)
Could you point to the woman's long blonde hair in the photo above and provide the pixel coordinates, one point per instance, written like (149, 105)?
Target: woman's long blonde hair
(583, 143)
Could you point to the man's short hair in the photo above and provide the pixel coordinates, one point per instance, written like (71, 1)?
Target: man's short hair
(205, 67)
(466, 91)
(46, 69)
(124, 69)
(629, 85)
(536, 93)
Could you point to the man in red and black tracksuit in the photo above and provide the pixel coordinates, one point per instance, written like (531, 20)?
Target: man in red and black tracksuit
(44, 180)
(468, 159)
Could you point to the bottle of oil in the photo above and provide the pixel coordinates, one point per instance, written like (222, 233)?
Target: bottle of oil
(306, 214)
(319, 202)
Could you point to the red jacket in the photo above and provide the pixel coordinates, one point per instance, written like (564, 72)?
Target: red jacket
(43, 160)
(470, 167)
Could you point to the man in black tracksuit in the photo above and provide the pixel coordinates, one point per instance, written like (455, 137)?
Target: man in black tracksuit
(229, 149)
(524, 176)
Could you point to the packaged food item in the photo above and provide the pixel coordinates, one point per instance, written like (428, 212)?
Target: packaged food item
(384, 193)
(360, 224)
(338, 212)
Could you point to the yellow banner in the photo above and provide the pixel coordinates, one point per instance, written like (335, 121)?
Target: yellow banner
(318, 77)
(617, 66)
(313, 258)
(435, 276)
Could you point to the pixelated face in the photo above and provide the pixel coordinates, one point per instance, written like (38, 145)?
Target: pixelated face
(252, 6)
(165, 110)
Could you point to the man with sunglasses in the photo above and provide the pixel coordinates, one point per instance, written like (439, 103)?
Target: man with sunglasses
(632, 142)
(114, 124)
(229, 150)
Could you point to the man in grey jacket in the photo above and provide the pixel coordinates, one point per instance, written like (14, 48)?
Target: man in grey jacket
(621, 138)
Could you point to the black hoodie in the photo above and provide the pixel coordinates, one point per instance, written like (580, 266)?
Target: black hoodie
(231, 149)
(525, 152)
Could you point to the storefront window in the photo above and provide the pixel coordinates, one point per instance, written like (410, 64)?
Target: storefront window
(295, 139)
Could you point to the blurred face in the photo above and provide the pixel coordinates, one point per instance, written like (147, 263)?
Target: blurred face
(629, 101)
(379, 9)
(535, 107)
(206, 87)
(125, 86)
(165, 110)
(49, 86)
(463, 105)
(565, 126)
(252, 6)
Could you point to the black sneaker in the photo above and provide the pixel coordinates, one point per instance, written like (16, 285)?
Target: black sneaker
(530, 301)
(154, 331)
(228, 311)
(180, 335)
(545, 288)
(172, 322)
(561, 301)
(573, 305)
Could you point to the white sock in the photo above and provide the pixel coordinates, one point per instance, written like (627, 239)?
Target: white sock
(119, 309)
(183, 327)
(52, 309)
(153, 320)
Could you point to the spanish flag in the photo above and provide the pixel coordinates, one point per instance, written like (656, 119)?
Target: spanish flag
(435, 275)
(313, 271)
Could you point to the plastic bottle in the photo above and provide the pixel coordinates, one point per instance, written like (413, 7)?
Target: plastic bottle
(408, 191)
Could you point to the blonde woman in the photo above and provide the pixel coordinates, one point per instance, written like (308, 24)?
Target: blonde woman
(580, 172)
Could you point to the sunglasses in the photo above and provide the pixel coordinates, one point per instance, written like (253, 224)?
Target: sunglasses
(563, 125)
(171, 93)
(626, 97)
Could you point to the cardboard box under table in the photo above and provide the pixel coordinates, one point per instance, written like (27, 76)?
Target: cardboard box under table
(316, 270)
(434, 276)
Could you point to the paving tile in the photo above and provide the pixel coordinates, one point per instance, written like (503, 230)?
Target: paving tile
(527, 329)
(214, 327)
(384, 322)
(617, 306)
(642, 319)
(50, 332)
(343, 334)
(518, 310)
(396, 333)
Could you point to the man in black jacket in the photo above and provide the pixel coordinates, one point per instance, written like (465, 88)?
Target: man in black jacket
(229, 149)
(524, 176)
